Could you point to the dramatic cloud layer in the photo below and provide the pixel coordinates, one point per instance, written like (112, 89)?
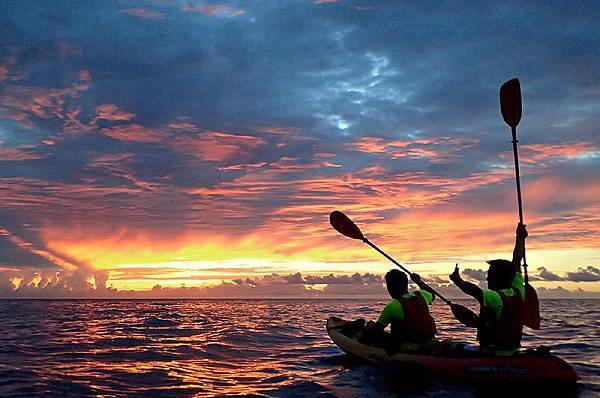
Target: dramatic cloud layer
(82, 284)
(151, 142)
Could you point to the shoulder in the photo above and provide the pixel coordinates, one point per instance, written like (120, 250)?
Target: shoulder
(392, 307)
(393, 310)
(518, 283)
(427, 296)
(491, 298)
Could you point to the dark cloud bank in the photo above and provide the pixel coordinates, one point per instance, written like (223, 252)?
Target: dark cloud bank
(79, 285)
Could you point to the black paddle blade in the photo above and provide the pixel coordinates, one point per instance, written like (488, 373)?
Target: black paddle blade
(465, 316)
(532, 308)
(510, 102)
(345, 226)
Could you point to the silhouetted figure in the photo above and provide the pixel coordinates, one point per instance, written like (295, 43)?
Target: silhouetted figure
(502, 303)
(408, 315)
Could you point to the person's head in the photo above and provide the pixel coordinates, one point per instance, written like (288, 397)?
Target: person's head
(500, 274)
(396, 282)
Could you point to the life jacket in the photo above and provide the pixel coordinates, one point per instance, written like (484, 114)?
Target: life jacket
(504, 333)
(418, 324)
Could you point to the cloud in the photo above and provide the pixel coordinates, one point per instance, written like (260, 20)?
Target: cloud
(18, 250)
(562, 293)
(183, 126)
(588, 274)
(17, 154)
(476, 274)
(216, 146)
(213, 10)
(35, 104)
(133, 132)
(3, 73)
(545, 275)
(113, 113)
(545, 154)
(80, 283)
(438, 279)
(436, 150)
(331, 279)
(85, 283)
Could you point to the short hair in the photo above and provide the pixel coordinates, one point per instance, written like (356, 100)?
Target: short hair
(396, 282)
(502, 272)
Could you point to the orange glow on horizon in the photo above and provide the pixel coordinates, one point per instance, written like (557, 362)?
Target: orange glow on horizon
(427, 242)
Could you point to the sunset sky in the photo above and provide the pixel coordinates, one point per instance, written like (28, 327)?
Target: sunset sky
(192, 148)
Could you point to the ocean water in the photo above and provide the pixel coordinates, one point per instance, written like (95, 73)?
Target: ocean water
(258, 348)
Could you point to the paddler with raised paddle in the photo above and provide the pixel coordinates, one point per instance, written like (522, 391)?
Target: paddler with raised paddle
(500, 326)
(510, 301)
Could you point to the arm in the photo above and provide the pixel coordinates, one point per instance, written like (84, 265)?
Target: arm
(389, 313)
(467, 287)
(519, 250)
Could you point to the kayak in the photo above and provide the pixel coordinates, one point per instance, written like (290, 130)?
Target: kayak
(454, 360)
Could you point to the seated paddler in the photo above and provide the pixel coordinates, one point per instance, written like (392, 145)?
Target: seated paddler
(407, 314)
(502, 303)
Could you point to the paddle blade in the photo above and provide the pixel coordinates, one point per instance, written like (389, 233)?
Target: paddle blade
(532, 308)
(341, 223)
(465, 316)
(510, 102)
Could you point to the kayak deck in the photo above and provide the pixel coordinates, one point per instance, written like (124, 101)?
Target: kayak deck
(452, 360)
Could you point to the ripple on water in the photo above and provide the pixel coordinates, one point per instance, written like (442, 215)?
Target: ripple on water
(263, 348)
(158, 322)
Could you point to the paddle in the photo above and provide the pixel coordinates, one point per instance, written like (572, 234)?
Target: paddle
(511, 108)
(344, 225)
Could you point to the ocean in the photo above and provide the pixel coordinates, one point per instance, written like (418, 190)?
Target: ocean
(234, 348)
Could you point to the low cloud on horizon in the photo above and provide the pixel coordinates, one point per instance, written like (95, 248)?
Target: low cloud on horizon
(94, 285)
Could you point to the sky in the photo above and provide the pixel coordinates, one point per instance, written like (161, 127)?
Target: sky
(196, 148)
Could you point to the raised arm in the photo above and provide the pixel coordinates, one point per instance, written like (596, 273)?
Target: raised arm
(467, 287)
(519, 250)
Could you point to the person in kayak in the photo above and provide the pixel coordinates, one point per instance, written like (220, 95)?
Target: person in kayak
(407, 314)
(502, 303)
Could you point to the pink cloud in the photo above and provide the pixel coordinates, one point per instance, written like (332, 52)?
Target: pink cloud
(72, 125)
(112, 112)
(280, 130)
(436, 150)
(117, 165)
(16, 154)
(216, 146)
(8, 72)
(213, 10)
(183, 126)
(134, 132)
(544, 154)
(3, 73)
(22, 103)
(245, 167)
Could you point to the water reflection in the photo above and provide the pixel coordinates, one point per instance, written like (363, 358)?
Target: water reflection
(215, 348)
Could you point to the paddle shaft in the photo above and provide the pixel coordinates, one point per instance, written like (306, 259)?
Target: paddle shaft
(518, 177)
(444, 299)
